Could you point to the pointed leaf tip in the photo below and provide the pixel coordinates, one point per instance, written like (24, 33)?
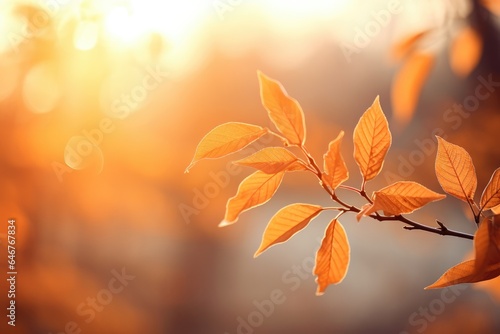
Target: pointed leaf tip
(286, 223)
(225, 139)
(402, 197)
(455, 171)
(372, 140)
(335, 169)
(256, 189)
(225, 223)
(284, 111)
(332, 258)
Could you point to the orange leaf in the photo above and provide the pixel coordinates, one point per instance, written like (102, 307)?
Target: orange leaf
(255, 190)
(487, 243)
(466, 51)
(485, 266)
(226, 139)
(284, 111)
(491, 194)
(465, 273)
(332, 258)
(335, 169)
(372, 140)
(455, 170)
(286, 222)
(402, 197)
(272, 160)
(407, 85)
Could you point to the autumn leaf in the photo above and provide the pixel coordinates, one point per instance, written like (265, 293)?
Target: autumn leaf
(485, 266)
(465, 272)
(487, 243)
(332, 258)
(284, 111)
(466, 51)
(335, 169)
(372, 140)
(455, 171)
(402, 197)
(255, 190)
(491, 194)
(273, 160)
(226, 139)
(407, 85)
(286, 222)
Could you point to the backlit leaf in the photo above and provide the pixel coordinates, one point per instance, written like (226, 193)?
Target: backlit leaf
(466, 51)
(255, 190)
(407, 85)
(487, 243)
(273, 160)
(226, 139)
(372, 140)
(286, 222)
(491, 194)
(402, 197)
(332, 258)
(455, 170)
(465, 272)
(335, 169)
(284, 111)
(485, 266)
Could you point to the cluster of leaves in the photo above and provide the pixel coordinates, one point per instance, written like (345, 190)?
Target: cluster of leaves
(418, 57)
(372, 140)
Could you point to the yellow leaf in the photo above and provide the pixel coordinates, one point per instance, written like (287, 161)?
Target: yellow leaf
(465, 273)
(332, 258)
(407, 85)
(255, 190)
(455, 170)
(402, 197)
(487, 243)
(335, 169)
(496, 210)
(372, 140)
(466, 51)
(284, 111)
(286, 222)
(272, 160)
(226, 139)
(491, 194)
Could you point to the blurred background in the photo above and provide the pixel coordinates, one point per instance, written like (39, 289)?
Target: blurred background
(102, 104)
